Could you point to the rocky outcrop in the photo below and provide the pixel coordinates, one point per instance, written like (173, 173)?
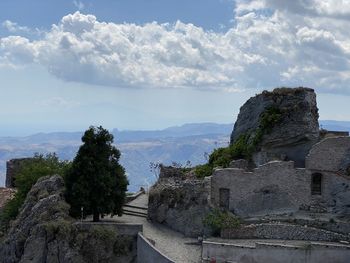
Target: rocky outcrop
(43, 232)
(181, 204)
(293, 133)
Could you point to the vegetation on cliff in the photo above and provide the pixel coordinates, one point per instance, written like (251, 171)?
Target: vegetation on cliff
(96, 181)
(244, 146)
(31, 170)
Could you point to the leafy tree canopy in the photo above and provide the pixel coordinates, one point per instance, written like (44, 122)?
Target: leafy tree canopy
(96, 181)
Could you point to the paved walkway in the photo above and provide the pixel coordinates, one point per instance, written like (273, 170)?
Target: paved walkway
(173, 244)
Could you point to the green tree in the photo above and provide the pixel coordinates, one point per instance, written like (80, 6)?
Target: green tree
(96, 181)
(30, 171)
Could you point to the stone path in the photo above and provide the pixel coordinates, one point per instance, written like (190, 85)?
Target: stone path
(173, 244)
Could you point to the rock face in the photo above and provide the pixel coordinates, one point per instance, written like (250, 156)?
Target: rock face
(179, 203)
(293, 135)
(43, 232)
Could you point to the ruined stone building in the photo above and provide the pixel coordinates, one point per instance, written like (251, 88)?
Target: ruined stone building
(297, 167)
(12, 168)
(296, 173)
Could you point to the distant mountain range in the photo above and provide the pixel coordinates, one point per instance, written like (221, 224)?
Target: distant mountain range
(138, 148)
(335, 125)
(180, 144)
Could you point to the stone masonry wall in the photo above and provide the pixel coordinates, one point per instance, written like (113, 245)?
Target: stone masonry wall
(12, 168)
(262, 252)
(277, 187)
(336, 193)
(331, 154)
(274, 188)
(180, 204)
(282, 232)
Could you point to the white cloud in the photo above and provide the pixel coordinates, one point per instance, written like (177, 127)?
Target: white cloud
(59, 103)
(270, 45)
(13, 27)
(79, 4)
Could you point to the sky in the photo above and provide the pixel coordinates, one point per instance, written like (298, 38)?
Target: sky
(150, 64)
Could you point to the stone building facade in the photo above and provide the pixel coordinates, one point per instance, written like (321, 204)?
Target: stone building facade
(278, 187)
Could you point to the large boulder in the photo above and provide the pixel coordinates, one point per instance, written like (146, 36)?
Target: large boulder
(295, 130)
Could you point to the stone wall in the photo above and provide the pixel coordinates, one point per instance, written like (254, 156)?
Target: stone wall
(335, 193)
(133, 196)
(331, 154)
(278, 187)
(12, 168)
(328, 134)
(147, 253)
(170, 172)
(180, 204)
(263, 252)
(283, 231)
(274, 188)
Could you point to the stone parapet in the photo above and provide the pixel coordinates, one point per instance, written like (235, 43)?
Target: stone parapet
(283, 231)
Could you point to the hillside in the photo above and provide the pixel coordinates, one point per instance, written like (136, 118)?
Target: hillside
(139, 148)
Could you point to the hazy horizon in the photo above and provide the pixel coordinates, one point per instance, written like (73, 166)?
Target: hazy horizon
(20, 133)
(149, 65)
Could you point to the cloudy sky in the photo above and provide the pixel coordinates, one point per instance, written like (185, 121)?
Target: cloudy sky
(149, 64)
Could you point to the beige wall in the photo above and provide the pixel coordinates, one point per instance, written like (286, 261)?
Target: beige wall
(276, 187)
(331, 154)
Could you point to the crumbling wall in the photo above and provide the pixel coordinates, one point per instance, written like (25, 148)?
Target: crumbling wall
(331, 154)
(331, 159)
(336, 193)
(12, 168)
(274, 188)
(179, 203)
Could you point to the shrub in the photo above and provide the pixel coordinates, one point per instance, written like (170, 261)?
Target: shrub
(202, 171)
(269, 118)
(218, 220)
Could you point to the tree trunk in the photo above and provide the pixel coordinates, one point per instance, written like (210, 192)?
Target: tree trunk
(96, 217)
